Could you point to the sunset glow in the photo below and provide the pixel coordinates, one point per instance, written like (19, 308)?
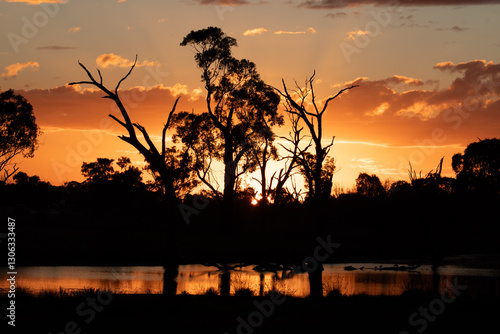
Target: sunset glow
(428, 74)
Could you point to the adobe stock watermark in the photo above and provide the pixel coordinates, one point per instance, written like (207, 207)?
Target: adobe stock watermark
(420, 320)
(87, 311)
(94, 138)
(311, 263)
(200, 202)
(359, 38)
(31, 26)
(75, 154)
(222, 10)
(454, 117)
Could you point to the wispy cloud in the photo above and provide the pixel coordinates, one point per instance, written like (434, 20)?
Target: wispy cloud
(351, 35)
(110, 60)
(283, 32)
(336, 15)
(454, 28)
(13, 69)
(256, 31)
(38, 2)
(55, 47)
(74, 30)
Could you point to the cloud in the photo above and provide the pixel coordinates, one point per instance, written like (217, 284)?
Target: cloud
(55, 47)
(397, 109)
(457, 28)
(74, 30)
(13, 69)
(110, 60)
(351, 35)
(336, 15)
(256, 31)
(282, 32)
(403, 110)
(401, 79)
(454, 28)
(76, 107)
(332, 4)
(38, 2)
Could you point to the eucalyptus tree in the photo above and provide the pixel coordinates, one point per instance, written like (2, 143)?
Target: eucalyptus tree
(241, 110)
(18, 131)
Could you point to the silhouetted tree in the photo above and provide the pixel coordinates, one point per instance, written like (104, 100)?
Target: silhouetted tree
(312, 164)
(369, 185)
(197, 135)
(21, 178)
(18, 131)
(433, 183)
(181, 167)
(281, 194)
(478, 168)
(240, 106)
(307, 162)
(100, 171)
(156, 158)
(264, 151)
(123, 162)
(129, 178)
(400, 187)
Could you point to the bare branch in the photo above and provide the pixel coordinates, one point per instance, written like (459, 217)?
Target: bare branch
(312, 91)
(152, 147)
(117, 120)
(125, 77)
(93, 82)
(165, 127)
(333, 97)
(100, 75)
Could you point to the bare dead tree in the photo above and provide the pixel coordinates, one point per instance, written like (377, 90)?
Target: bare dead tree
(314, 122)
(294, 151)
(3, 167)
(155, 157)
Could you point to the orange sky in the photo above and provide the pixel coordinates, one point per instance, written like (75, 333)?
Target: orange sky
(428, 75)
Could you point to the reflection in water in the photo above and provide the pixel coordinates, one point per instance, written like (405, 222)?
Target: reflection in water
(198, 279)
(225, 283)
(170, 274)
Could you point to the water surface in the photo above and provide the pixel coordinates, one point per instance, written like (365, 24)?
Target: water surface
(198, 279)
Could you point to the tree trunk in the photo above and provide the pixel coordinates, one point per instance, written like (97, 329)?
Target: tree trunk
(316, 282)
(229, 192)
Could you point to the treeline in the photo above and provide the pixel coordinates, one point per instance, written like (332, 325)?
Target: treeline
(116, 188)
(114, 212)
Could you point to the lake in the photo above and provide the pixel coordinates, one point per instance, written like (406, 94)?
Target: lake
(198, 279)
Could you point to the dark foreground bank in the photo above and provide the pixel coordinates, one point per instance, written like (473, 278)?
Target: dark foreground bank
(103, 312)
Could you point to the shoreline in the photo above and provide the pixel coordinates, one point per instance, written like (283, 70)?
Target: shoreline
(479, 261)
